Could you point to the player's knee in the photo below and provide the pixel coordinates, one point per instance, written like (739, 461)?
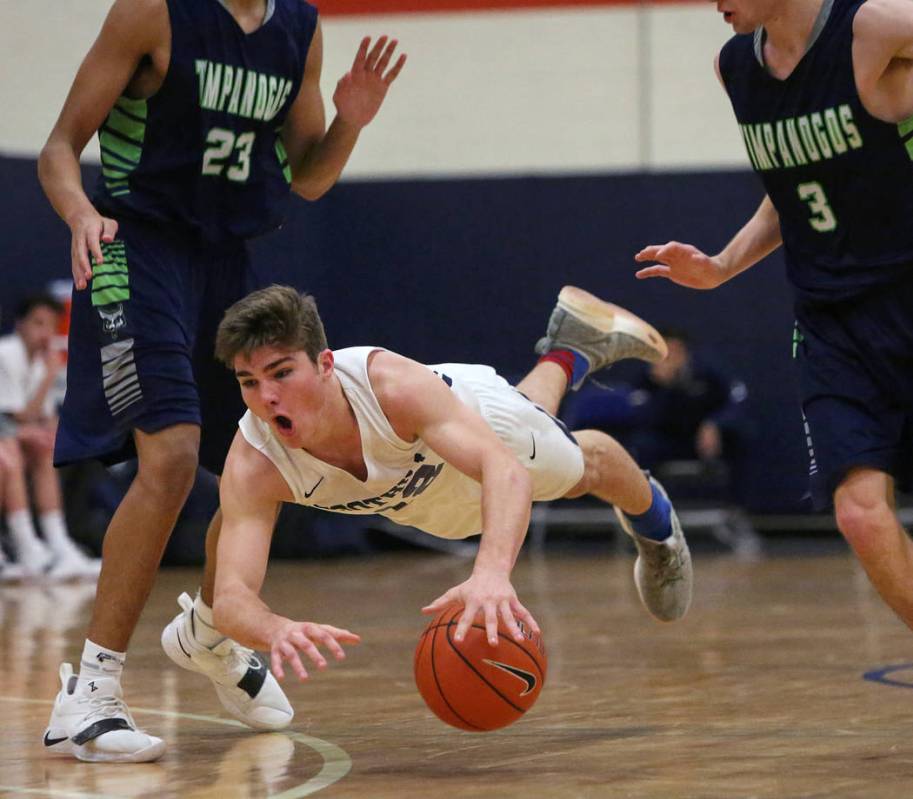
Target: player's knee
(170, 470)
(863, 521)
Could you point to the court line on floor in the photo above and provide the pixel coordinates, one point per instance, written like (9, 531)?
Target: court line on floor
(881, 675)
(336, 761)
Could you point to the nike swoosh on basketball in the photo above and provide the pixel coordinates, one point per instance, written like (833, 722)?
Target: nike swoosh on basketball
(529, 679)
(307, 494)
(53, 741)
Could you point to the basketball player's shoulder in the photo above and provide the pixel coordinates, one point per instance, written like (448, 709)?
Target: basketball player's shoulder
(883, 19)
(251, 474)
(144, 19)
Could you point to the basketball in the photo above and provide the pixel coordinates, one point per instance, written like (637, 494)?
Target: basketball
(475, 686)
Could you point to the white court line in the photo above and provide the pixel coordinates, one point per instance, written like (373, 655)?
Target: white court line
(336, 761)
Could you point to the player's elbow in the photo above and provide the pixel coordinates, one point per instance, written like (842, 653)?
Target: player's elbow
(519, 480)
(310, 190)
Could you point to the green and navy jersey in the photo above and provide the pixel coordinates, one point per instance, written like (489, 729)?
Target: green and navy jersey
(840, 179)
(205, 151)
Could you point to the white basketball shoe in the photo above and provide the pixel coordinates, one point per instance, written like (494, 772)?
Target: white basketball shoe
(242, 679)
(662, 572)
(91, 721)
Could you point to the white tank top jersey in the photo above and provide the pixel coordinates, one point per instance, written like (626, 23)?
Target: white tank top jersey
(408, 482)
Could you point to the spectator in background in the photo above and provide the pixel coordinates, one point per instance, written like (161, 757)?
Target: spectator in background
(685, 408)
(29, 369)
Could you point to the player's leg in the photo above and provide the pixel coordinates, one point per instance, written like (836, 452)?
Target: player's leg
(129, 390)
(241, 677)
(662, 571)
(864, 507)
(853, 364)
(90, 719)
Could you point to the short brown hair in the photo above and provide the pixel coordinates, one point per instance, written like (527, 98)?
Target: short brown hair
(278, 316)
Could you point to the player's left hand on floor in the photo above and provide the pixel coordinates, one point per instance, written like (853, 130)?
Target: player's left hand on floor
(303, 636)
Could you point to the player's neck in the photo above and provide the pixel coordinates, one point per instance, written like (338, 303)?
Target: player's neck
(790, 28)
(340, 445)
(249, 14)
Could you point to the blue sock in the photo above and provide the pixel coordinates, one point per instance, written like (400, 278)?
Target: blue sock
(655, 523)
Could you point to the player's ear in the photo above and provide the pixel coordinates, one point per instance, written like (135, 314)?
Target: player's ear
(325, 362)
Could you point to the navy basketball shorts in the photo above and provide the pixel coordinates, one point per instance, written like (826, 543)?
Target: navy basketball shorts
(855, 368)
(141, 346)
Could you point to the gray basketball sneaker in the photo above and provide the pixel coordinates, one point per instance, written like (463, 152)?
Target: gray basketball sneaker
(600, 332)
(662, 571)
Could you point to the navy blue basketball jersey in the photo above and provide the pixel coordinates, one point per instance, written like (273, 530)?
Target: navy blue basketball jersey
(840, 179)
(205, 151)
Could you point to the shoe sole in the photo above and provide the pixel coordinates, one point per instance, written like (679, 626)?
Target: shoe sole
(67, 748)
(610, 318)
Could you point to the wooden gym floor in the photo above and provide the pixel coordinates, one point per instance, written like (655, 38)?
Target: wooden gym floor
(760, 692)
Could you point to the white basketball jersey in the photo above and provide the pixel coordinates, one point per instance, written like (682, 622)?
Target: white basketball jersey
(408, 482)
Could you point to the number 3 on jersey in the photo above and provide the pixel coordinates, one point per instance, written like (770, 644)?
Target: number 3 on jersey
(822, 218)
(224, 145)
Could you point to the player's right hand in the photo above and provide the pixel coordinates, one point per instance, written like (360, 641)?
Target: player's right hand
(89, 229)
(304, 636)
(683, 264)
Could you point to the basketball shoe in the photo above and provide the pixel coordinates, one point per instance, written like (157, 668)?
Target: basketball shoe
(662, 571)
(242, 679)
(92, 722)
(598, 333)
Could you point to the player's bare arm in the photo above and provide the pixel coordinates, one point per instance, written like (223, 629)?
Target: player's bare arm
(883, 58)
(688, 266)
(317, 156)
(250, 492)
(133, 47)
(419, 404)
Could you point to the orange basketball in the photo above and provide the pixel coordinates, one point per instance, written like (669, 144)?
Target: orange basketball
(473, 685)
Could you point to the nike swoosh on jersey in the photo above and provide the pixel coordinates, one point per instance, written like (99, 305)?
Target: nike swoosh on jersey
(529, 680)
(307, 494)
(533, 456)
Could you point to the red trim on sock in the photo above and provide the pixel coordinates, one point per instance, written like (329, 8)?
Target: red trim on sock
(564, 359)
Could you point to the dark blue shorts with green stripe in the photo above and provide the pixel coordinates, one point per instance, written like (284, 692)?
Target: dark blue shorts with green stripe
(855, 369)
(141, 345)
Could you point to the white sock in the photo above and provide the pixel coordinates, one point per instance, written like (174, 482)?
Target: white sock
(21, 528)
(100, 662)
(54, 528)
(204, 629)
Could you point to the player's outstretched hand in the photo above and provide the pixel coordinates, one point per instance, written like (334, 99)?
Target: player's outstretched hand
(490, 595)
(361, 91)
(304, 636)
(88, 231)
(683, 264)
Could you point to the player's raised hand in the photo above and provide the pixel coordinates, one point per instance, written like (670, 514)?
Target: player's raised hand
(304, 636)
(683, 264)
(489, 595)
(361, 91)
(89, 230)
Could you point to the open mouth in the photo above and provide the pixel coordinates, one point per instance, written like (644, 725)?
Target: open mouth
(283, 423)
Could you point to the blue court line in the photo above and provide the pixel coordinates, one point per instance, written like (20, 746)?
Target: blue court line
(882, 675)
